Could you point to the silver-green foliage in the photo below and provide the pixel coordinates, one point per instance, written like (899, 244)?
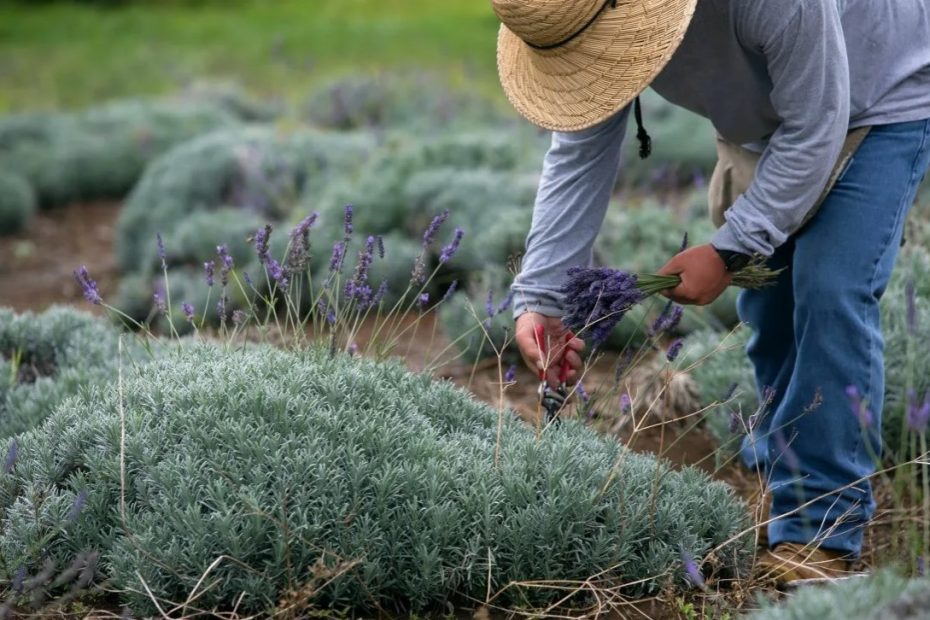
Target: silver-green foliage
(883, 596)
(17, 202)
(47, 357)
(270, 461)
(99, 153)
(257, 171)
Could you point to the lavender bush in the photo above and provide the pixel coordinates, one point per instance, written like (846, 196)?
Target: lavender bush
(17, 203)
(394, 476)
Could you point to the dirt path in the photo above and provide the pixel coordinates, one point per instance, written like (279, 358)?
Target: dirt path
(36, 266)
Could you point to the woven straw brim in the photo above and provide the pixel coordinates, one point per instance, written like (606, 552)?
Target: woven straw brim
(601, 71)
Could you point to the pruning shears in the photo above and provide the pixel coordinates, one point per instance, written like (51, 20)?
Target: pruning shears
(552, 399)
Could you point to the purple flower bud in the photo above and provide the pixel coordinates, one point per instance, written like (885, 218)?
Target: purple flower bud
(423, 301)
(674, 349)
(684, 244)
(188, 311)
(221, 308)
(238, 317)
(353, 349)
(510, 375)
(347, 221)
(692, 571)
(918, 414)
(77, 506)
(736, 423)
(248, 279)
(489, 303)
(667, 320)
(380, 243)
(208, 268)
(626, 403)
(11, 455)
(161, 249)
(863, 414)
(303, 228)
(597, 299)
(338, 257)
(88, 286)
(582, 394)
(449, 251)
(160, 306)
(450, 291)
(430, 235)
(380, 293)
(911, 297)
(277, 273)
(226, 263)
(921, 566)
(261, 243)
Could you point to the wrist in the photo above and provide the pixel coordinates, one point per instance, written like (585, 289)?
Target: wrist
(733, 261)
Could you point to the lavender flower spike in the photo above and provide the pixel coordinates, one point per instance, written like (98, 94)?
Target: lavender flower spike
(918, 414)
(430, 234)
(511, 374)
(77, 506)
(692, 572)
(208, 268)
(597, 299)
(674, 349)
(88, 286)
(449, 251)
(161, 249)
(450, 291)
(226, 263)
(261, 243)
(188, 311)
(347, 221)
(626, 403)
(11, 457)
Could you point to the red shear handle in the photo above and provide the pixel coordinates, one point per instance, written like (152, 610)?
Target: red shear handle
(540, 333)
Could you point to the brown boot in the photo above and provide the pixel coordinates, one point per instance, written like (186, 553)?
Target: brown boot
(791, 564)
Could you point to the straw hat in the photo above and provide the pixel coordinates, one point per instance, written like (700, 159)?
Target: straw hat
(569, 64)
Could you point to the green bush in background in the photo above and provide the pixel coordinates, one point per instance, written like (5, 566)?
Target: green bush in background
(48, 357)
(280, 461)
(882, 596)
(99, 153)
(17, 203)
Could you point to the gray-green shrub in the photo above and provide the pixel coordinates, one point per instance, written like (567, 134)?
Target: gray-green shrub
(277, 460)
(17, 203)
(99, 153)
(47, 357)
(885, 595)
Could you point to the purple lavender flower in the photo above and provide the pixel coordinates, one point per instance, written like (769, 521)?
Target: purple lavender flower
(623, 363)
(582, 394)
(736, 423)
(88, 286)
(380, 293)
(11, 455)
(430, 234)
(918, 414)
(188, 311)
(626, 403)
(238, 317)
(357, 288)
(921, 566)
(277, 273)
(449, 251)
(208, 268)
(160, 306)
(692, 571)
(489, 304)
(911, 297)
(353, 349)
(505, 303)
(226, 263)
(450, 291)
(667, 320)
(261, 244)
(597, 299)
(338, 257)
(77, 506)
(380, 243)
(221, 308)
(303, 228)
(858, 407)
(161, 250)
(511, 374)
(248, 279)
(684, 244)
(347, 221)
(423, 301)
(674, 349)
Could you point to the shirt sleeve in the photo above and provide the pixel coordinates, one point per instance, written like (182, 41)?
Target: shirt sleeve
(578, 176)
(805, 52)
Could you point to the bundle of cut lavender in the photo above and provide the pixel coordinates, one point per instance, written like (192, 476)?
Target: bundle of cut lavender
(596, 299)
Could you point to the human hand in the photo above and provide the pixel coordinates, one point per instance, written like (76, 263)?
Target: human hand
(703, 274)
(555, 344)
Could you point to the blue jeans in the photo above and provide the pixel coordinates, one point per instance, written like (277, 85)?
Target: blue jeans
(817, 332)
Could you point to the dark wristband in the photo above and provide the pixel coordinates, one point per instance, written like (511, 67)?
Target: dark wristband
(734, 261)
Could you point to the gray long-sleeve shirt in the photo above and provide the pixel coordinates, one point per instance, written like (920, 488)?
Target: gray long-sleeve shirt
(786, 77)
